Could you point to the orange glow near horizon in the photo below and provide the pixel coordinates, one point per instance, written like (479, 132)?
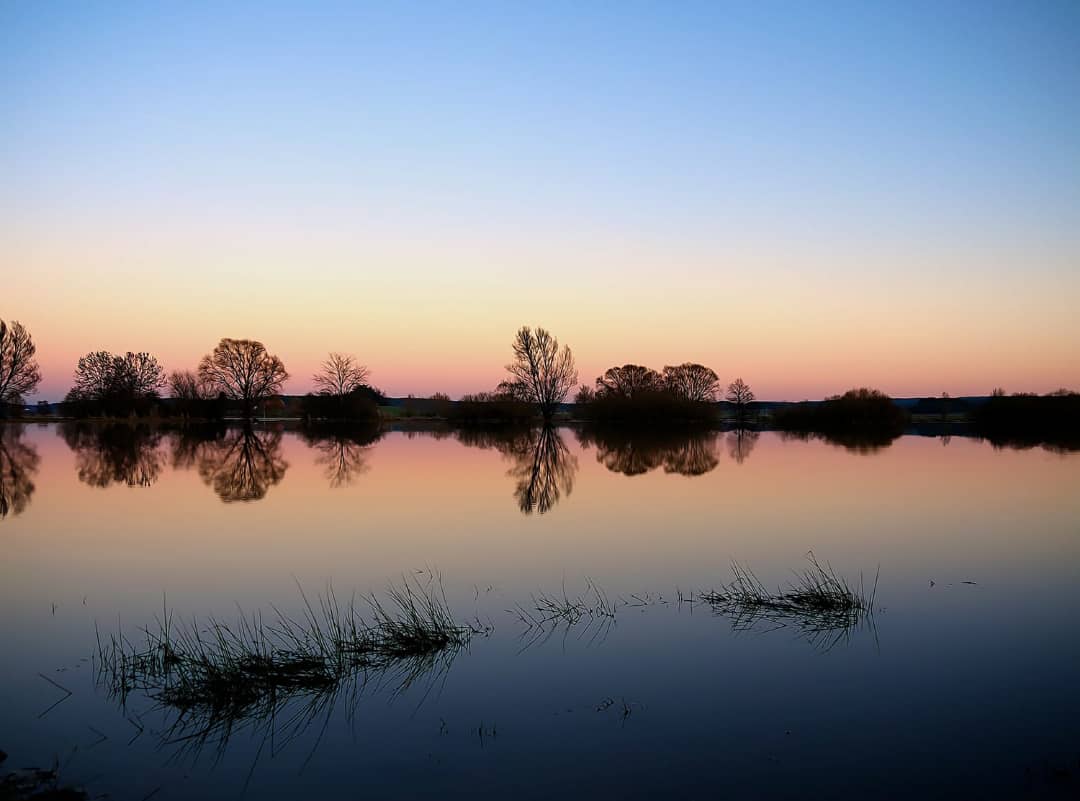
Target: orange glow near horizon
(423, 329)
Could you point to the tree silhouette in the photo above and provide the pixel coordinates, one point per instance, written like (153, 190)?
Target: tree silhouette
(193, 397)
(628, 381)
(243, 465)
(18, 463)
(541, 373)
(740, 394)
(19, 371)
(244, 371)
(340, 374)
(691, 382)
(108, 383)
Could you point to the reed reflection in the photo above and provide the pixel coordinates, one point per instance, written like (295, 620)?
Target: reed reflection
(342, 452)
(686, 453)
(541, 464)
(19, 462)
(241, 464)
(115, 453)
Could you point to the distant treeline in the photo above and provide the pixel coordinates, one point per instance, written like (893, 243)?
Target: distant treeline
(1027, 419)
(857, 410)
(241, 378)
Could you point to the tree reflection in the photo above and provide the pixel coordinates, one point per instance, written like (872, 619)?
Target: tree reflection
(18, 463)
(862, 442)
(341, 452)
(686, 453)
(544, 472)
(118, 453)
(242, 464)
(741, 442)
(541, 464)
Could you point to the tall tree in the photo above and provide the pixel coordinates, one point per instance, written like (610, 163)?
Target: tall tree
(541, 372)
(19, 372)
(340, 374)
(628, 381)
(244, 371)
(116, 384)
(740, 394)
(691, 382)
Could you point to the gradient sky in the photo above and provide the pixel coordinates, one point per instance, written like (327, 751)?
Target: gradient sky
(810, 196)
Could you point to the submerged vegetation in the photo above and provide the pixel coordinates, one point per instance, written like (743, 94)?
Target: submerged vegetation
(217, 675)
(38, 784)
(545, 613)
(822, 606)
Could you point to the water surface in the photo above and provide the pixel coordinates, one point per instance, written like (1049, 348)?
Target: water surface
(965, 685)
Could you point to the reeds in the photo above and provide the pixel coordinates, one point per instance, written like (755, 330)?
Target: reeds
(819, 603)
(546, 613)
(216, 676)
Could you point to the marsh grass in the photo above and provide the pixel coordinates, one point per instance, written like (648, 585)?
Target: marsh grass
(285, 671)
(591, 612)
(820, 604)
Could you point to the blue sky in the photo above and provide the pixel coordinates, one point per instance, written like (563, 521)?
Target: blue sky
(838, 140)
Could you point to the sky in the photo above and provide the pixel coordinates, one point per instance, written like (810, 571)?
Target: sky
(808, 196)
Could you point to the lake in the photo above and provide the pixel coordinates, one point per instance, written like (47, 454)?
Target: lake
(961, 682)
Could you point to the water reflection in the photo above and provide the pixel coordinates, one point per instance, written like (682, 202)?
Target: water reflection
(19, 462)
(862, 442)
(541, 464)
(342, 453)
(241, 464)
(116, 453)
(686, 453)
(741, 442)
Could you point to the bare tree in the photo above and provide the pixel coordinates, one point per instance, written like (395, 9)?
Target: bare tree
(244, 371)
(691, 382)
(340, 374)
(186, 385)
(19, 372)
(117, 384)
(541, 373)
(628, 381)
(739, 393)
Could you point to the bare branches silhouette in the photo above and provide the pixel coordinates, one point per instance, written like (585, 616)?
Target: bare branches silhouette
(19, 461)
(340, 374)
(688, 453)
(19, 371)
(117, 453)
(243, 464)
(541, 373)
(244, 371)
(342, 452)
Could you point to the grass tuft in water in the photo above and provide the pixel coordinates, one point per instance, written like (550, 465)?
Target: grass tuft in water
(217, 675)
(822, 605)
(546, 613)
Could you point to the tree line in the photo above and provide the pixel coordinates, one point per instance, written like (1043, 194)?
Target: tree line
(540, 377)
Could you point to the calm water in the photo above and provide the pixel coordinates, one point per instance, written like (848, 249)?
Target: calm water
(957, 690)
